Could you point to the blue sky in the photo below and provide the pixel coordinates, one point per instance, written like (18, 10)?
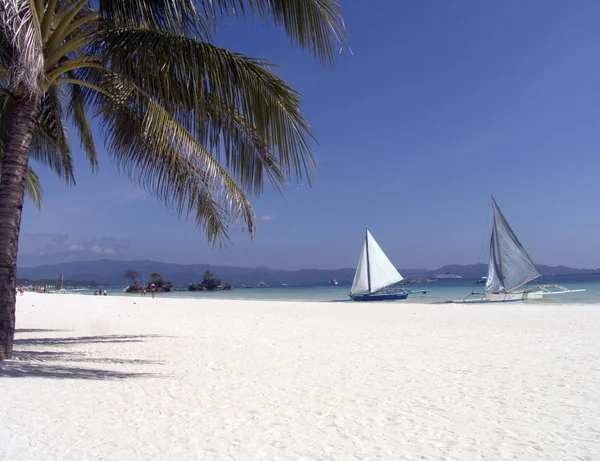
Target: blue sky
(440, 105)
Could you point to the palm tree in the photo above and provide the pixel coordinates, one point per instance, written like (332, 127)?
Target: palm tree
(199, 126)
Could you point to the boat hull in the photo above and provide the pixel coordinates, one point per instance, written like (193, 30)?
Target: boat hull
(380, 297)
(539, 293)
(512, 297)
(507, 297)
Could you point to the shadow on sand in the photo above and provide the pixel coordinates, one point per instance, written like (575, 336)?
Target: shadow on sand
(68, 340)
(51, 364)
(36, 330)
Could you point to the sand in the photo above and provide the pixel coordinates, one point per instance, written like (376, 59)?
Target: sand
(119, 378)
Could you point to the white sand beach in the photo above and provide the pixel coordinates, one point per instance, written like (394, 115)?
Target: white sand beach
(116, 378)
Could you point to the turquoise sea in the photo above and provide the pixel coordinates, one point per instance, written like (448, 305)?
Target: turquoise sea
(438, 292)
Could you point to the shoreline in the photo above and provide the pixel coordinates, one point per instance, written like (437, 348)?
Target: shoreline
(340, 294)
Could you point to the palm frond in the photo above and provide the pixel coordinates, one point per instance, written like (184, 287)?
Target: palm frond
(315, 25)
(178, 17)
(33, 187)
(20, 33)
(78, 116)
(158, 153)
(50, 145)
(66, 20)
(247, 155)
(182, 74)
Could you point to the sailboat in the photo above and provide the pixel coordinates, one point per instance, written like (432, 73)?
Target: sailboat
(59, 282)
(510, 268)
(376, 278)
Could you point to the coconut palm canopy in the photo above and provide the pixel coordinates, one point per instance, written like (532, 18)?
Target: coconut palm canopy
(199, 126)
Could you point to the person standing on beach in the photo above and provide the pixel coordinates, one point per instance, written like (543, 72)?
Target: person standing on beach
(152, 290)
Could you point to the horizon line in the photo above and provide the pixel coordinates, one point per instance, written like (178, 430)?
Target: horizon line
(266, 267)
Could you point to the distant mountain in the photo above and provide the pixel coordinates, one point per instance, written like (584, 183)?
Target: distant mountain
(107, 272)
(480, 270)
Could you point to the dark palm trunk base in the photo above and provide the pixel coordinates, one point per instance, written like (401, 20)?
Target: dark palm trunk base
(12, 191)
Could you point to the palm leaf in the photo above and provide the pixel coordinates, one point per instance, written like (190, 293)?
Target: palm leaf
(78, 116)
(182, 74)
(153, 149)
(179, 17)
(50, 145)
(21, 42)
(316, 25)
(247, 155)
(33, 187)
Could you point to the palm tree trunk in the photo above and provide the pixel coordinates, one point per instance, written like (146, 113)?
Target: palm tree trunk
(12, 190)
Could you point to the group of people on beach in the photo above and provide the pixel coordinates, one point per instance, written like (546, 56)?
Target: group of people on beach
(40, 289)
(98, 292)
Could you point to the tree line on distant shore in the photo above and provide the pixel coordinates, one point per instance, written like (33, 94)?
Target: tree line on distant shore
(209, 283)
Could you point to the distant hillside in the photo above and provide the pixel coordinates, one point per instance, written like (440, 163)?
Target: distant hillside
(480, 270)
(107, 272)
(111, 273)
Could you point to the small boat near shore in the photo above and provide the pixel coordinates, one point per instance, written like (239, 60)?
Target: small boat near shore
(258, 285)
(447, 275)
(376, 278)
(510, 268)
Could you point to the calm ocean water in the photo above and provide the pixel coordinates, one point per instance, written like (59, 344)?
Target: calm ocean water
(439, 291)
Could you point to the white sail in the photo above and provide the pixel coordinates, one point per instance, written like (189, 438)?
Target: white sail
(361, 277)
(382, 271)
(512, 266)
(493, 283)
(374, 271)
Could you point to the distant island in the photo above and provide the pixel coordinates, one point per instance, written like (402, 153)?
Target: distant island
(183, 276)
(209, 283)
(156, 281)
(160, 285)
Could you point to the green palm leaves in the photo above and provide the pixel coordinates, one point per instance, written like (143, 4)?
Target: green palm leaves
(198, 126)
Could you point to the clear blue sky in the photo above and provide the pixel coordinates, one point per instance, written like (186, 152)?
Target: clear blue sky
(440, 105)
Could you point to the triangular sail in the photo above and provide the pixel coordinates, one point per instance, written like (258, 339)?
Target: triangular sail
(512, 266)
(493, 283)
(374, 271)
(361, 277)
(382, 271)
(59, 282)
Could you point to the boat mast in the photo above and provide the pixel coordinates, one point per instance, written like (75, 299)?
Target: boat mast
(498, 243)
(368, 264)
